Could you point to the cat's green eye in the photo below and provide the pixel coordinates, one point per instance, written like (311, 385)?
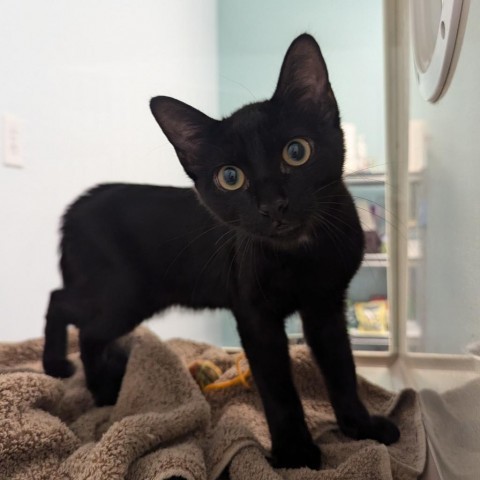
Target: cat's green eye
(230, 178)
(297, 152)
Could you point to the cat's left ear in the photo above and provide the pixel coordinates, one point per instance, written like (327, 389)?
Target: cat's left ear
(185, 127)
(304, 75)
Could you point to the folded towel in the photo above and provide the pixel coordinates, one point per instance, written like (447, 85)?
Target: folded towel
(163, 426)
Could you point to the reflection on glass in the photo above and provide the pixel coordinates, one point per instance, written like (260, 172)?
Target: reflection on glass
(367, 306)
(444, 226)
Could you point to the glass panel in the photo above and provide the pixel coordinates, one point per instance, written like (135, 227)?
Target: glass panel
(350, 34)
(444, 233)
(444, 265)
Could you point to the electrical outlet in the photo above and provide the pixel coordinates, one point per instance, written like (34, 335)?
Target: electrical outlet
(12, 141)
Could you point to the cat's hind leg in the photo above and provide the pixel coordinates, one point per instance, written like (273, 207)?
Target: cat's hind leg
(120, 308)
(60, 313)
(104, 363)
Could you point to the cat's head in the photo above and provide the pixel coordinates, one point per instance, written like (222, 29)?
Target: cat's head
(265, 168)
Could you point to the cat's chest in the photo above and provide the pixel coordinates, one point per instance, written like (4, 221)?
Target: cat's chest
(289, 277)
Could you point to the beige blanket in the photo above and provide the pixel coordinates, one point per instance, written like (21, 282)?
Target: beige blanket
(163, 426)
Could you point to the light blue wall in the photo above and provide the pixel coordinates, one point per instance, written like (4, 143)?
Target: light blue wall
(254, 35)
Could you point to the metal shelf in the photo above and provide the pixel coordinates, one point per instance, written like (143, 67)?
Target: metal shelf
(376, 178)
(375, 260)
(365, 179)
(380, 260)
(359, 341)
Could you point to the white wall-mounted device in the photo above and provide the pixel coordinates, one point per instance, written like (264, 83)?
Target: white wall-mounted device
(434, 27)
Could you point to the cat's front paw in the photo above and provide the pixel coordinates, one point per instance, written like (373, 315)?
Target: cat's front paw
(297, 455)
(383, 430)
(105, 395)
(376, 428)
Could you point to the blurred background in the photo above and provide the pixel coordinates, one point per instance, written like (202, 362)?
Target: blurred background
(76, 81)
(76, 78)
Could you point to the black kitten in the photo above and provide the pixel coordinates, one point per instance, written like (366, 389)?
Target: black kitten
(270, 229)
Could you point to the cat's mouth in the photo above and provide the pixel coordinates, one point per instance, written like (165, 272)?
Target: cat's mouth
(284, 230)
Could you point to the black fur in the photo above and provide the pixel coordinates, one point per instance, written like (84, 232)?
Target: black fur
(289, 240)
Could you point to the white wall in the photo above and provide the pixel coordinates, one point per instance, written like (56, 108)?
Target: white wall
(79, 75)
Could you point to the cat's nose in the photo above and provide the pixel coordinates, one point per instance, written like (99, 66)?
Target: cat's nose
(274, 209)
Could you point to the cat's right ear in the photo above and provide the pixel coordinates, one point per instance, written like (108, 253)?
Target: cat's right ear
(304, 77)
(186, 128)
